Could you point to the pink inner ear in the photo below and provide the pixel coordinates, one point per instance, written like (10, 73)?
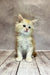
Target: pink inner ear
(20, 18)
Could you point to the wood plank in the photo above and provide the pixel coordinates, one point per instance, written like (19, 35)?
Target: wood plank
(4, 55)
(10, 66)
(43, 65)
(44, 58)
(27, 68)
(1, 52)
(47, 54)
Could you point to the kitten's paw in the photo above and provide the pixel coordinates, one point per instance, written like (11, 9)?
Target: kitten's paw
(19, 59)
(28, 59)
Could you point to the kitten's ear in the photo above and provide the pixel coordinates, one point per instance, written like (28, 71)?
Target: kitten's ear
(34, 21)
(20, 18)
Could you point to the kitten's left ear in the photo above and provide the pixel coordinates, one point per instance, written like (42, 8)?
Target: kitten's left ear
(20, 17)
(34, 21)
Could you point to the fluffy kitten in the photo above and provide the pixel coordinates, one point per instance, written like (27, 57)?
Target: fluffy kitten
(25, 43)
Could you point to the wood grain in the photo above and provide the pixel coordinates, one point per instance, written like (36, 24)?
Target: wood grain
(43, 65)
(9, 67)
(4, 55)
(27, 68)
(44, 58)
(47, 54)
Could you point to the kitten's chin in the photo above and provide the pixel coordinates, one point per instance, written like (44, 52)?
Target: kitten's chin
(26, 33)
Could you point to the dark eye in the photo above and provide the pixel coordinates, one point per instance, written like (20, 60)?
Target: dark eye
(24, 25)
(29, 27)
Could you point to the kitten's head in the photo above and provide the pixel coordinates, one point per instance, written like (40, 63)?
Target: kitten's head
(25, 26)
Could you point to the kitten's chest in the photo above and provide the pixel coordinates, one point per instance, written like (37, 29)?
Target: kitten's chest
(24, 42)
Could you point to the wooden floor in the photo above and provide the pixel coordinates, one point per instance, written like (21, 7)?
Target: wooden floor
(39, 66)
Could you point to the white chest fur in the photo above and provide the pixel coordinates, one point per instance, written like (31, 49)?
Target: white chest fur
(24, 42)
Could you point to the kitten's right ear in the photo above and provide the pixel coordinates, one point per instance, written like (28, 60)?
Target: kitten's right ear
(20, 18)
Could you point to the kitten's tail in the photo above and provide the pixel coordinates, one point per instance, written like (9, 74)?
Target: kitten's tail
(34, 53)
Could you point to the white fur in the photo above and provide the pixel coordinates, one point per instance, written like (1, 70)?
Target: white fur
(24, 44)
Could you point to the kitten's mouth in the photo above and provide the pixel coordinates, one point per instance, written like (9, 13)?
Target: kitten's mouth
(26, 31)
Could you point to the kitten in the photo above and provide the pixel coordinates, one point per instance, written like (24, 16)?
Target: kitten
(25, 43)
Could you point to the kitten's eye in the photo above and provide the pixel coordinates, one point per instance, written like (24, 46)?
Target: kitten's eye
(29, 27)
(24, 25)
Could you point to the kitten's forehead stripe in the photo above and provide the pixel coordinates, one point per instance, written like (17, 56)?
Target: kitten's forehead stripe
(28, 21)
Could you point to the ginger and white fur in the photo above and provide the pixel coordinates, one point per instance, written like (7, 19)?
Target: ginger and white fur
(24, 39)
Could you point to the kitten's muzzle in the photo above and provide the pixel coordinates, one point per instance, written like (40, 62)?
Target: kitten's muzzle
(26, 30)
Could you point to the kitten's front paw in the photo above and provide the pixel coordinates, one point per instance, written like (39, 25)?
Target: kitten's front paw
(18, 58)
(28, 59)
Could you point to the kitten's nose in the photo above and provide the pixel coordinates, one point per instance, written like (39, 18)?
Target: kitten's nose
(26, 29)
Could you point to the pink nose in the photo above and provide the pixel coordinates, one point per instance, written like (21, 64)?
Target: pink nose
(26, 29)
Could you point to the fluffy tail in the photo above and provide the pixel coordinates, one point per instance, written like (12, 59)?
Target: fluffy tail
(34, 53)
